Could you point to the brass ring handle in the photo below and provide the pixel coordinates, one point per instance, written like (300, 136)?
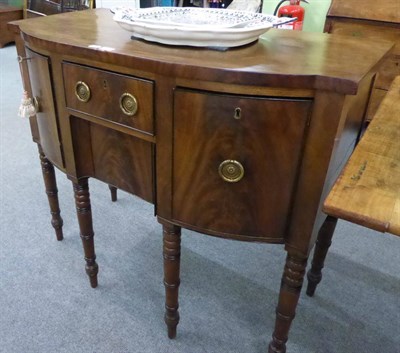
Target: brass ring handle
(231, 171)
(82, 91)
(128, 104)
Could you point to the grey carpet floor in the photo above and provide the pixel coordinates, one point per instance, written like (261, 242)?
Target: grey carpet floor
(228, 291)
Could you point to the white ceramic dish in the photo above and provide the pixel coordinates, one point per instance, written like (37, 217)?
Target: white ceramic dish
(192, 17)
(199, 27)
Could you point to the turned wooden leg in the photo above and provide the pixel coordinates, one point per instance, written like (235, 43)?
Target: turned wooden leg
(324, 241)
(172, 254)
(292, 281)
(50, 183)
(84, 212)
(113, 191)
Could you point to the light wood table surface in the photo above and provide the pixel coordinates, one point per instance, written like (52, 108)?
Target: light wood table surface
(368, 190)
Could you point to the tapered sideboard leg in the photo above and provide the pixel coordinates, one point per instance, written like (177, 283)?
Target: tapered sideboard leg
(292, 281)
(172, 254)
(84, 212)
(113, 191)
(50, 183)
(324, 241)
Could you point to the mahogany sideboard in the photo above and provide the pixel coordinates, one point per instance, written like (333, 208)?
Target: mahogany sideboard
(243, 143)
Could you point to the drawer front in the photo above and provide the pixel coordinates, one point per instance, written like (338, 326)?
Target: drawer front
(122, 99)
(235, 162)
(41, 84)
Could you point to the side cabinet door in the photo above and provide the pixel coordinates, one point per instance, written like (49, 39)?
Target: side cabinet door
(235, 163)
(41, 84)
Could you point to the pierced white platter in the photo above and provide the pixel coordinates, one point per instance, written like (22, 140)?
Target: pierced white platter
(199, 27)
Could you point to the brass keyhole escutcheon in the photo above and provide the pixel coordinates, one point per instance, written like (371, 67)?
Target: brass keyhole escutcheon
(238, 113)
(128, 104)
(82, 91)
(231, 171)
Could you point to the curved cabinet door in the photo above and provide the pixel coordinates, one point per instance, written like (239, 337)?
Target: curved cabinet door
(235, 163)
(41, 84)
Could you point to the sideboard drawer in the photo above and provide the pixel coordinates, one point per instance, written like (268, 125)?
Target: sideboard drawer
(235, 162)
(119, 98)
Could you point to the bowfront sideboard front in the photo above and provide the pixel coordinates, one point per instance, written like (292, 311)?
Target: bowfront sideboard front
(241, 143)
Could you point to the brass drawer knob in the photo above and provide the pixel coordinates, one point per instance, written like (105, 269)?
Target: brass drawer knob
(128, 104)
(231, 171)
(82, 91)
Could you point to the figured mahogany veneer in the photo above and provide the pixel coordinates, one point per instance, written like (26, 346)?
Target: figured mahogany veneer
(206, 133)
(242, 144)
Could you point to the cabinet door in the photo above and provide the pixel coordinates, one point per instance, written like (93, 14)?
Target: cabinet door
(41, 84)
(215, 136)
(114, 157)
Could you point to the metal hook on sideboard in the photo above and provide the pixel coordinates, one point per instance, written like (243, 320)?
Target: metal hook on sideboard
(22, 58)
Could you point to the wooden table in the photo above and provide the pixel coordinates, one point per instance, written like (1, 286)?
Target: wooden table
(242, 144)
(368, 190)
(7, 14)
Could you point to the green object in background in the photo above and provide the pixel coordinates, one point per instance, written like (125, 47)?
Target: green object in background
(16, 3)
(314, 19)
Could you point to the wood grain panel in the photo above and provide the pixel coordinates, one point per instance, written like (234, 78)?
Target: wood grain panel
(387, 11)
(267, 140)
(374, 31)
(8, 14)
(123, 161)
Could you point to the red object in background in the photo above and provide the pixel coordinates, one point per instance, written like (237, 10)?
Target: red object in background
(292, 10)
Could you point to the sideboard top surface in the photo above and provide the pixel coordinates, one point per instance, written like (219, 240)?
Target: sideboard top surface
(281, 58)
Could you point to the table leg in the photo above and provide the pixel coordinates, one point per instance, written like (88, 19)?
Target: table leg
(324, 241)
(113, 191)
(292, 281)
(50, 183)
(172, 254)
(84, 212)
